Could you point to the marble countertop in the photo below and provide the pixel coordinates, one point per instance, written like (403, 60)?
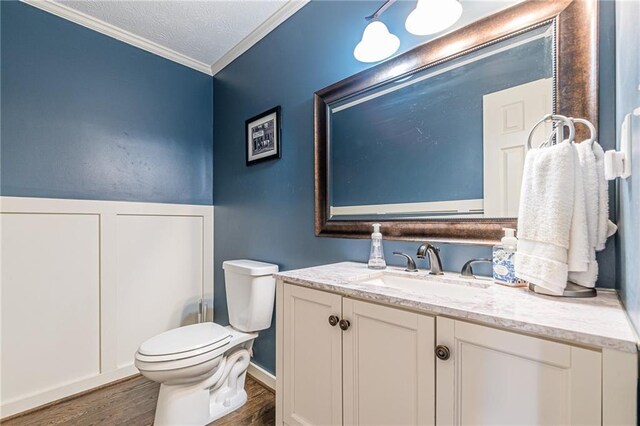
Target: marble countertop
(599, 321)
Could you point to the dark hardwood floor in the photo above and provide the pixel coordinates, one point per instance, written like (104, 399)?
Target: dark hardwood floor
(133, 402)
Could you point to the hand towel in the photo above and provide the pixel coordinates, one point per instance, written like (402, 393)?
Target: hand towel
(587, 162)
(551, 218)
(578, 251)
(606, 228)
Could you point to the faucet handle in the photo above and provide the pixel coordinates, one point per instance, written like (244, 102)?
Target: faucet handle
(467, 270)
(411, 264)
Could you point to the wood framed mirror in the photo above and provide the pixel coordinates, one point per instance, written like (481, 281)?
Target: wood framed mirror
(453, 179)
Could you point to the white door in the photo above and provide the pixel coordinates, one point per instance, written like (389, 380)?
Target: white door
(495, 377)
(388, 366)
(508, 116)
(312, 355)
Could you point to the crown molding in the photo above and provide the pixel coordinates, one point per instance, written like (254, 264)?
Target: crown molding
(105, 28)
(65, 12)
(281, 15)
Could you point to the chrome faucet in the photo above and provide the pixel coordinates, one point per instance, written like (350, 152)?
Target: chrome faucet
(435, 264)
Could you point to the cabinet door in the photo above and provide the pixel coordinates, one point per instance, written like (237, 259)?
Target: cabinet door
(389, 366)
(495, 377)
(312, 358)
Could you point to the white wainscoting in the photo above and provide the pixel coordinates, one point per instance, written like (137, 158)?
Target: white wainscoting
(85, 282)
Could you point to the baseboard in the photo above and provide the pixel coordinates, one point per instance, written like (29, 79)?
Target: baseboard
(53, 396)
(262, 375)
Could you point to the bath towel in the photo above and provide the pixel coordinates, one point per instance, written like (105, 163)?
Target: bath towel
(591, 186)
(578, 252)
(552, 229)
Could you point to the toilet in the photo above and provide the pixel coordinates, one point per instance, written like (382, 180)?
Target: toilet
(202, 367)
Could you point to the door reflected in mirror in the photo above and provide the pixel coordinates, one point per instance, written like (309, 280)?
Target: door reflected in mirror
(448, 141)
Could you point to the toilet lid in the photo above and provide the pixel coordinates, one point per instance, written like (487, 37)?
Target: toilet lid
(186, 339)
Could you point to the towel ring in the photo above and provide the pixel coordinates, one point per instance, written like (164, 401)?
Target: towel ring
(555, 118)
(592, 129)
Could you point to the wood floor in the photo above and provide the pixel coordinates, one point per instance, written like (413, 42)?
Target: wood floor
(133, 402)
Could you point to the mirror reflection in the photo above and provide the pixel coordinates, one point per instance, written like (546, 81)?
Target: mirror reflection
(448, 141)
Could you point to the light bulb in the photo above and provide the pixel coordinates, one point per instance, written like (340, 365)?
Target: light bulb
(433, 16)
(377, 43)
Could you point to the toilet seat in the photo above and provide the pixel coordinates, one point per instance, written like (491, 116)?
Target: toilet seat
(184, 342)
(144, 364)
(159, 363)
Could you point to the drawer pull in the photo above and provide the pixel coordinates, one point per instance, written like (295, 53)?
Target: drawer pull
(333, 320)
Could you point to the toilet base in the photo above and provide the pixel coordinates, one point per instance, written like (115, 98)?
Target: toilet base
(215, 395)
(192, 405)
(218, 410)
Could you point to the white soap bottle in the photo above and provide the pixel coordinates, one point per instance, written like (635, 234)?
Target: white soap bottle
(503, 256)
(376, 256)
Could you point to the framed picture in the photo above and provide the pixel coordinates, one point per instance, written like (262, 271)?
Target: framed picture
(263, 136)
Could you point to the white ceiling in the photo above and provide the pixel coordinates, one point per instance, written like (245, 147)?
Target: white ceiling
(205, 35)
(199, 34)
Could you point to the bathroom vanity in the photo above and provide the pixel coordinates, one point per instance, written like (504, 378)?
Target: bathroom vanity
(356, 346)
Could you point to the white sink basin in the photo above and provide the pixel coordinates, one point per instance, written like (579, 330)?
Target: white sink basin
(429, 285)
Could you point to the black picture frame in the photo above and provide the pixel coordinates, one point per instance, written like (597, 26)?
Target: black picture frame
(263, 136)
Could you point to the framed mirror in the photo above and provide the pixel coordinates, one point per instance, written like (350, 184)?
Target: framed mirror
(432, 142)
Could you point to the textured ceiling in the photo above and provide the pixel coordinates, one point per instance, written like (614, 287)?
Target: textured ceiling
(201, 30)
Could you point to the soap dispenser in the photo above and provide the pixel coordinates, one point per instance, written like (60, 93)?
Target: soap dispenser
(376, 257)
(503, 256)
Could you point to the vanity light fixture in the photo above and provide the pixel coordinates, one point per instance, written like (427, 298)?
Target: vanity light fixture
(429, 17)
(377, 42)
(433, 16)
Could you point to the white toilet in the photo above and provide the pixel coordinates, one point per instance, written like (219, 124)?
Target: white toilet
(202, 367)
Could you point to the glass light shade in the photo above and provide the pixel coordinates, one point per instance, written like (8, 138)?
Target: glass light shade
(377, 43)
(433, 16)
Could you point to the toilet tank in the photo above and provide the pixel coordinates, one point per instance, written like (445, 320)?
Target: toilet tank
(251, 291)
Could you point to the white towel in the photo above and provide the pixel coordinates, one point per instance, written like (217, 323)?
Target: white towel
(587, 160)
(606, 228)
(551, 218)
(578, 252)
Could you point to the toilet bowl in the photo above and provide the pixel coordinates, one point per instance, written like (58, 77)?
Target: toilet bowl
(202, 367)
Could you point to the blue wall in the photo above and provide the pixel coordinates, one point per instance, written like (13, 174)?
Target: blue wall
(87, 116)
(265, 211)
(628, 99)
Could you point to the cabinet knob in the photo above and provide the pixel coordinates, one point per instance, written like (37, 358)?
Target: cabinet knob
(442, 352)
(344, 324)
(333, 320)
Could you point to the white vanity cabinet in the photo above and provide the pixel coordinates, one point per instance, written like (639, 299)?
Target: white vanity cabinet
(378, 370)
(496, 377)
(312, 355)
(391, 366)
(387, 366)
